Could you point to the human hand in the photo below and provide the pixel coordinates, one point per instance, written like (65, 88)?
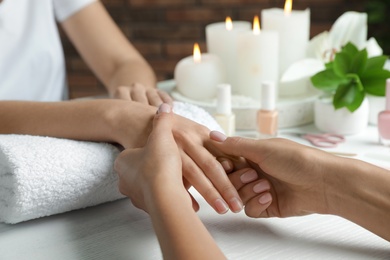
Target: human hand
(145, 95)
(131, 124)
(291, 177)
(144, 172)
(200, 167)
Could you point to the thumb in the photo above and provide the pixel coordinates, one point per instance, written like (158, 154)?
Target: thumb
(163, 121)
(242, 147)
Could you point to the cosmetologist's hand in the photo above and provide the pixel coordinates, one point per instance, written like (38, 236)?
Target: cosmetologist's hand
(145, 95)
(291, 177)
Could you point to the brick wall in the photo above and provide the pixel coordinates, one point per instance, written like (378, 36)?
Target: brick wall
(164, 30)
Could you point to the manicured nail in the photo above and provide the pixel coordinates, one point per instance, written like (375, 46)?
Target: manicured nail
(221, 206)
(261, 187)
(236, 205)
(266, 198)
(226, 165)
(217, 136)
(248, 176)
(164, 108)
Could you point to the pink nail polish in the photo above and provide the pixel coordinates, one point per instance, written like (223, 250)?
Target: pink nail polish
(249, 176)
(267, 116)
(164, 108)
(261, 187)
(217, 136)
(266, 198)
(221, 206)
(236, 205)
(384, 119)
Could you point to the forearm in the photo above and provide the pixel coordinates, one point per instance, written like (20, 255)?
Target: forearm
(360, 192)
(127, 123)
(180, 232)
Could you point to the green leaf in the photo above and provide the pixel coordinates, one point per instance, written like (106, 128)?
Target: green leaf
(377, 62)
(342, 64)
(374, 81)
(350, 49)
(329, 65)
(327, 80)
(359, 62)
(349, 95)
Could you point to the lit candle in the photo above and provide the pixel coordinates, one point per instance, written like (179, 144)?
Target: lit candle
(257, 60)
(221, 40)
(197, 76)
(294, 31)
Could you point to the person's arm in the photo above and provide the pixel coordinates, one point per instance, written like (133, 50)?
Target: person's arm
(295, 180)
(158, 189)
(129, 124)
(113, 59)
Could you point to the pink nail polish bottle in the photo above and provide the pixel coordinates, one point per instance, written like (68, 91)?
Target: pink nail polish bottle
(384, 119)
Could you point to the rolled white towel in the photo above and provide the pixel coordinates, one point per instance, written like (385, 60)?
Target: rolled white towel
(42, 176)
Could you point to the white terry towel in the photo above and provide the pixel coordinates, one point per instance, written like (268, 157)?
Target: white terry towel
(42, 176)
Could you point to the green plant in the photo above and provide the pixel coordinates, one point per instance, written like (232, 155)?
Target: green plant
(351, 75)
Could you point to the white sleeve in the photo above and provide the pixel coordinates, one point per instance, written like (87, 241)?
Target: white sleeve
(65, 8)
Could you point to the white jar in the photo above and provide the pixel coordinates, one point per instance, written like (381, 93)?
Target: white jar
(340, 121)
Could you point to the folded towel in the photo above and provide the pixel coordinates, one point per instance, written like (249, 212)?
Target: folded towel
(42, 176)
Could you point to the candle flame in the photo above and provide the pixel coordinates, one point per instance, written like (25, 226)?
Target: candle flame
(197, 55)
(288, 7)
(256, 25)
(229, 23)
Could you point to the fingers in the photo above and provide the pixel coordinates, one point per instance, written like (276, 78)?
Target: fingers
(254, 192)
(165, 97)
(211, 168)
(122, 92)
(258, 205)
(237, 146)
(145, 95)
(202, 184)
(138, 93)
(242, 177)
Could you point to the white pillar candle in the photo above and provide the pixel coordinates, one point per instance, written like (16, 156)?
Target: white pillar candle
(197, 76)
(221, 39)
(294, 32)
(257, 60)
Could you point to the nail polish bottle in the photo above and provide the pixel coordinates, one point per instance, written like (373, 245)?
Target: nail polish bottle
(224, 116)
(267, 116)
(384, 119)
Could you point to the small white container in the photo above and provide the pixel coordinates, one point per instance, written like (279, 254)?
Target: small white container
(340, 121)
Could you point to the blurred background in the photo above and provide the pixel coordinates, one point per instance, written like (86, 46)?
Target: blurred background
(164, 31)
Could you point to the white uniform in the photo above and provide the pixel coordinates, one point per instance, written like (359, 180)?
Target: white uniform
(32, 65)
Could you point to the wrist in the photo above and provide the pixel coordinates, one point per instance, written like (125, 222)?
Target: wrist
(163, 193)
(129, 123)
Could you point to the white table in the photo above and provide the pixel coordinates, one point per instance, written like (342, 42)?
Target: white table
(117, 230)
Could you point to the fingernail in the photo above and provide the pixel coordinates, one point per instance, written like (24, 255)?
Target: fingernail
(226, 165)
(248, 176)
(266, 198)
(164, 108)
(236, 205)
(261, 187)
(217, 136)
(221, 206)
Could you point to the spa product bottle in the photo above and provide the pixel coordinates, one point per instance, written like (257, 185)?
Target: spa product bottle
(224, 116)
(384, 119)
(267, 116)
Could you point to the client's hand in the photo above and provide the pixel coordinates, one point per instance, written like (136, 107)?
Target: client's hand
(291, 177)
(144, 172)
(130, 125)
(145, 95)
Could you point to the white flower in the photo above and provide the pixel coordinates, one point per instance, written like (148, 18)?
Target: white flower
(349, 27)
